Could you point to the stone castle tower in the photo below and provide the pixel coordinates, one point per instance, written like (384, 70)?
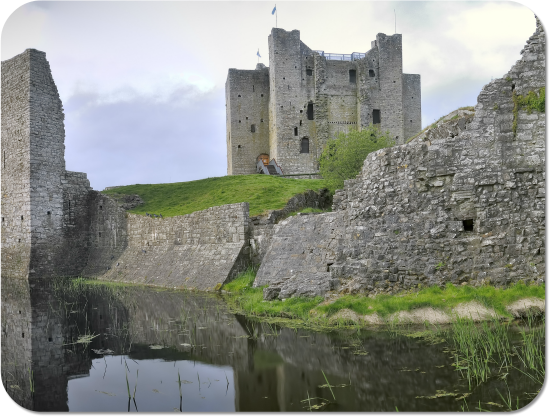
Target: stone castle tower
(289, 111)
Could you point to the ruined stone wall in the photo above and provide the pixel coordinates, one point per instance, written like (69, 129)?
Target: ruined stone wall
(47, 167)
(411, 210)
(16, 204)
(468, 208)
(42, 235)
(247, 98)
(390, 74)
(76, 225)
(199, 250)
(412, 115)
(301, 251)
(262, 227)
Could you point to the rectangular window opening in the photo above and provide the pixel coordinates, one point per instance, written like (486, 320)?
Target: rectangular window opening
(304, 145)
(310, 111)
(253, 128)
(371, 73)
(376, 117)
(295, 131)
(309, 71)
(352, 76)
(468, 225)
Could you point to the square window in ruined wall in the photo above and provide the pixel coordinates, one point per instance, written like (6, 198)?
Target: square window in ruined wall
(371, 73)
(309, 71)
(376, 117)
(468, 225)
(253, 128)
(304, 145)
(352, 76)
(310, 111)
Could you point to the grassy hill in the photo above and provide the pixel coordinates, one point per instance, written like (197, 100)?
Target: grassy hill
(263, 192)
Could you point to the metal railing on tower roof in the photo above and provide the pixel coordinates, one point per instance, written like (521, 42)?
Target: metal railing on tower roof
(342, 57)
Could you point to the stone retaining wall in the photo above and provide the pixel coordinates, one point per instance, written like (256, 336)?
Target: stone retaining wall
(261, 227)
(201, 250)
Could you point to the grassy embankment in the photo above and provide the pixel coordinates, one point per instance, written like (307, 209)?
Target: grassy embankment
(250, 301)
(263, 192)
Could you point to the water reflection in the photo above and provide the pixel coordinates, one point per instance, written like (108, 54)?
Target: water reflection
(72, 347)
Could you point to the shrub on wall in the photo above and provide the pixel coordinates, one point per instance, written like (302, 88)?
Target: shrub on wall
(343, 157)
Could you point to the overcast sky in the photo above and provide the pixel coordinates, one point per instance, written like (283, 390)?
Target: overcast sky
(142, 83)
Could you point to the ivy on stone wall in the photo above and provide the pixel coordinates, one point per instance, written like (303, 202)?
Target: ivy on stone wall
(531, 101)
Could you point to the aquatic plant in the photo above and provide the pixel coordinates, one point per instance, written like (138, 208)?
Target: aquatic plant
(329, 386)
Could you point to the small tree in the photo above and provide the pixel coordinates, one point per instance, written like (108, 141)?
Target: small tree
(343, 157)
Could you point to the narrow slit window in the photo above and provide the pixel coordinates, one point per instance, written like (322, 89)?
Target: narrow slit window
(376, 117)
(310, 111)
(304, 145)
(295, 131)
(253, 128)
(21, 217)
(101, 207)
(300, 123)
(468, 225)
(352, 76)
(309, 71)
(371, 73)
(252, 88)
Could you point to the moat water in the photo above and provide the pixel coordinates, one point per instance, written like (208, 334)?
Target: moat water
(69, 347)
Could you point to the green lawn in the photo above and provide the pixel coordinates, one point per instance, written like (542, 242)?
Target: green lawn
(263, 192)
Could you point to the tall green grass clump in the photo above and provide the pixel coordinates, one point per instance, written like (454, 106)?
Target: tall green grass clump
(486, 350)
(531, 353)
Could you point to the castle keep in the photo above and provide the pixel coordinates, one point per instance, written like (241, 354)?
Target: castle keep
(289, 111)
